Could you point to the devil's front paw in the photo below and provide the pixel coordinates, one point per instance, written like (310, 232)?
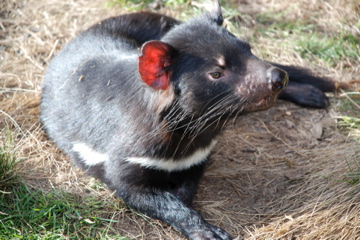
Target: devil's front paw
(209, 232)
(305, 95)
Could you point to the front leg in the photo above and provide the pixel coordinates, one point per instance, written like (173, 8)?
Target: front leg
(167, 196)
(305, 95)
(168, 208)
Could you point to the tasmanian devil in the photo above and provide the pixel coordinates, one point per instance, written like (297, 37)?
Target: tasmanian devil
(139, 99)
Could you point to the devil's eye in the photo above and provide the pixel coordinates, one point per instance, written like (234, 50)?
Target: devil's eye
(216, 75)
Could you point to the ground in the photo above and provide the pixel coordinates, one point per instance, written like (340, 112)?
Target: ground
(276, 174)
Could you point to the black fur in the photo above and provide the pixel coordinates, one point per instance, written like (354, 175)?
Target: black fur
(133, 117)
(306, 89)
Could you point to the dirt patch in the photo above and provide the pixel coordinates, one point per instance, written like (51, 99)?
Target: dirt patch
(273, 175)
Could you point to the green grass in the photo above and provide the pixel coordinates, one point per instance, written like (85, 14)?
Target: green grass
(8, 162)
(29, 214)
(274, 22)
(310, 41)
(331, 49)
(352, 177)
(184, 9)
(133, 5)
(349, 124)
(136, 5)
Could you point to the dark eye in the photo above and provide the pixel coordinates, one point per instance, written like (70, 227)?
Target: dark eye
(216, 75)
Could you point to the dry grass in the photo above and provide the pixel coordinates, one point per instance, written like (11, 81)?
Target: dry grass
(274, 174)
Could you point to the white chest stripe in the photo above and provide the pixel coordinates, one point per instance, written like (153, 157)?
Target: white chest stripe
(91, 157)
(88, 155)
(171, 164)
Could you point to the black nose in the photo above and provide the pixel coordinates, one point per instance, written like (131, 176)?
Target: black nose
(279, 79)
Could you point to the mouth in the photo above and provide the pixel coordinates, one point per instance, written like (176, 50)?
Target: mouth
(261, 104)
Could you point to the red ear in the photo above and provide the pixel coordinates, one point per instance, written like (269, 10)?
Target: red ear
(155, 57)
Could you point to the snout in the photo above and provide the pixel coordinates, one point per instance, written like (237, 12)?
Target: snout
(269, 83)
(277, 78)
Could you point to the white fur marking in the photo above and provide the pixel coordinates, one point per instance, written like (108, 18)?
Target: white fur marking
(171, 164)
(88, 155)
(221, 61)
(128, 57)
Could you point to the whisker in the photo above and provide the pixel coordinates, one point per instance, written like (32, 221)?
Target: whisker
(215, 114)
